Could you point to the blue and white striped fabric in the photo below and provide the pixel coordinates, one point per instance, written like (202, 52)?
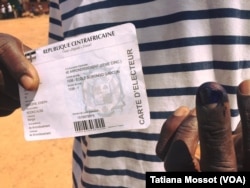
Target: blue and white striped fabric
(183, 44)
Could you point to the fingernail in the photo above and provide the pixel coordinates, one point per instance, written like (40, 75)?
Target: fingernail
(193, 112)
(181, 111)
(27, 82)
(244, 87)
(210, 94)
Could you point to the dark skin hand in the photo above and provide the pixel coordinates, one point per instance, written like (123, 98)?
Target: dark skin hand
(183, 134)
(14, 69)
(201, 139)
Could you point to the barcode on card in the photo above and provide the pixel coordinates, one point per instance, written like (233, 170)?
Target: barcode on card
(89, 124)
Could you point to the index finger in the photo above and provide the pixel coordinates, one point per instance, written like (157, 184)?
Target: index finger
(243, 99)
(214, 124)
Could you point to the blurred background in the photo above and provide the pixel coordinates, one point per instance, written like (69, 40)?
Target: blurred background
(30, 164)
(23, 8)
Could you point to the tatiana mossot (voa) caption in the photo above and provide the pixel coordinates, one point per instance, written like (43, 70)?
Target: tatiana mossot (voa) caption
(215, 179)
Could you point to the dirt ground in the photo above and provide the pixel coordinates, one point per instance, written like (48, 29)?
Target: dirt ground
(36, 164)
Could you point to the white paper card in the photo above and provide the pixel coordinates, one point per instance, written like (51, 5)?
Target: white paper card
(89, 84)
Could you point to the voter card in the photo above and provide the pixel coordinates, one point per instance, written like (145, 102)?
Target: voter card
(89, 84)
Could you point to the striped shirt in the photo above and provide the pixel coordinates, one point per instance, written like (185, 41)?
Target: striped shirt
(182, 45)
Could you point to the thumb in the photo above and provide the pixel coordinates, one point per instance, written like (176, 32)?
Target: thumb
(178, 141)
(13, 62)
